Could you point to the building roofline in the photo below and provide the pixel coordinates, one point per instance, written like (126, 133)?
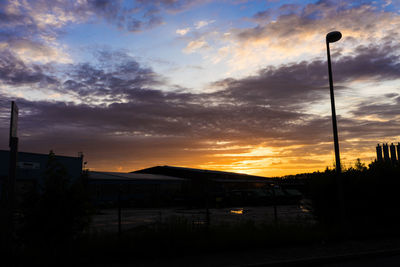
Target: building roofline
(204, 171)
(41, 154)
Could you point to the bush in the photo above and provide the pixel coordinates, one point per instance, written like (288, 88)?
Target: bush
(370, 196)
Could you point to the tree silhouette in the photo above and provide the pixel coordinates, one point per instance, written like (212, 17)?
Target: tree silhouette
(57, 214)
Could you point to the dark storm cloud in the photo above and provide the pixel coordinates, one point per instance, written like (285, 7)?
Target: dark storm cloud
(375, 62)
(369, 129)
(298, 84)
(115, 76)
(265, 105)
(144, 111)
(167, 115)
(386, 110)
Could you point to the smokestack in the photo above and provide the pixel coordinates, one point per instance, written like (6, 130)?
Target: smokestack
(386, 152)
(398, 152)
(379, 152)
(393, 153)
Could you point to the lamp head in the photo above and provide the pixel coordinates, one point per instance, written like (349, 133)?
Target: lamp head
(333, 37)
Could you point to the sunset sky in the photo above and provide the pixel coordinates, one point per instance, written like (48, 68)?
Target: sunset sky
(230, 85)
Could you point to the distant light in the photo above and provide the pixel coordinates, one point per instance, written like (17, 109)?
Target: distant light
(238, 211)
(333, 37)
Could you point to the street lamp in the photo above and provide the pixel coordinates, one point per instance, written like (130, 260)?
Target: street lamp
(331, 38)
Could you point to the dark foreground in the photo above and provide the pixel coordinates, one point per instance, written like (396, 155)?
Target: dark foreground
(384, 252)
(241, 245)
(359, 227)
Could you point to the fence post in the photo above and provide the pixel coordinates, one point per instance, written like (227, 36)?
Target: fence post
(274, 203)
(119, 210)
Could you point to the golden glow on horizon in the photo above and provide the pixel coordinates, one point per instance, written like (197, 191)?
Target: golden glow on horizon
(268, 167)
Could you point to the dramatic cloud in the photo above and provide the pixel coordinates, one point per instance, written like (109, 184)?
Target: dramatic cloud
(298, 84)
(120, 107)
(297, 32)
(380, 111)
(14, 71)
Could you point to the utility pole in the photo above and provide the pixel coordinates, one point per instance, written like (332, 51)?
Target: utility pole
(10, 181)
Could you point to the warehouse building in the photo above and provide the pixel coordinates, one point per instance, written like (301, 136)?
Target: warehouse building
(218, 188)
(216, 180)
(171, 186)
(153, 187)
(133, 189)
(31, 169)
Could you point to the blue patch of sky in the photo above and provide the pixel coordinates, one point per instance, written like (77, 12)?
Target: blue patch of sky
(83, 38)
(161, 40)
(161, 48)
(157, 48)
(394, 7)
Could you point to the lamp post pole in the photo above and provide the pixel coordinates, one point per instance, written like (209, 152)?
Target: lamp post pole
(330, 38)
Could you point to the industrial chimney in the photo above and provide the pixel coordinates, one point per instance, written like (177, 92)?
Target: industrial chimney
(379, 152)
(398, 152)
(393, 153)
(386, 152)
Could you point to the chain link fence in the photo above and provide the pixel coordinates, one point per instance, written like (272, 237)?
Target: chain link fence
(107, 219)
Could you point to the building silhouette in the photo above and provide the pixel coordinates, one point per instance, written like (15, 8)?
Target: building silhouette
(379, 153)
(398, 151)
(386, 152)
(393, 153)
(390, 153)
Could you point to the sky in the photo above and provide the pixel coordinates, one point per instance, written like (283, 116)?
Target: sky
(231, 85)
